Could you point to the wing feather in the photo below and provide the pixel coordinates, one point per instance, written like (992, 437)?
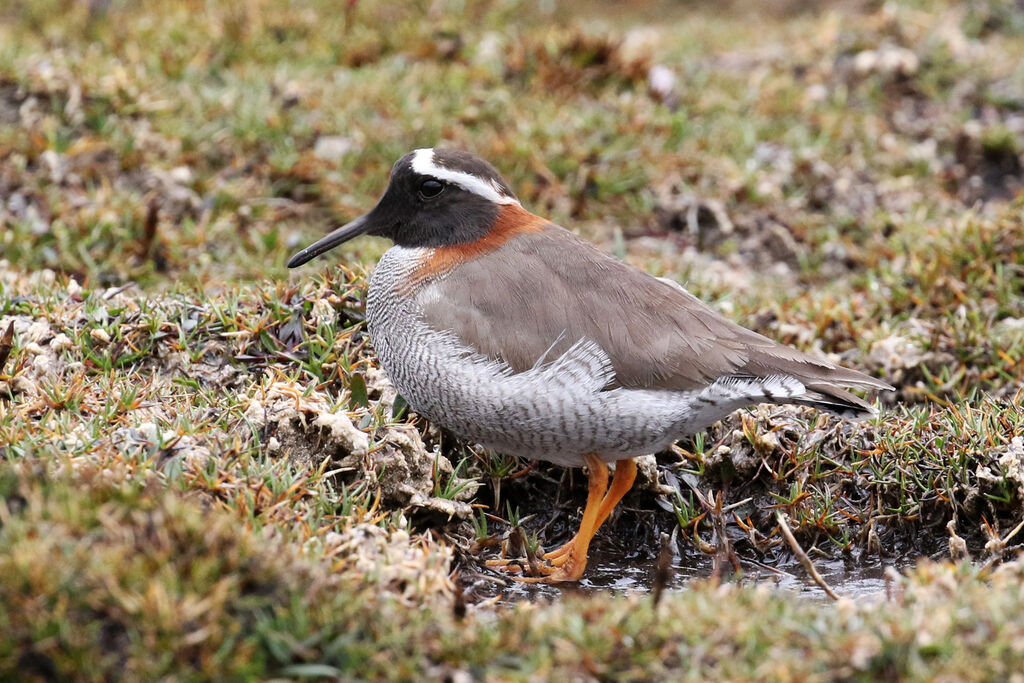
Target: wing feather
(539, 294)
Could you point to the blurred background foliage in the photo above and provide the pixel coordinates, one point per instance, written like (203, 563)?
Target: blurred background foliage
(192, 139)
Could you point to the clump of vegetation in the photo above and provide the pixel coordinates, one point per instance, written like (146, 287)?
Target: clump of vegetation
(124, 578)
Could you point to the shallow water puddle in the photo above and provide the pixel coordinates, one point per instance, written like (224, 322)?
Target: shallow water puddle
(610, 573)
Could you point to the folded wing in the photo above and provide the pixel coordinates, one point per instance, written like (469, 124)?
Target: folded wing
(528, 301)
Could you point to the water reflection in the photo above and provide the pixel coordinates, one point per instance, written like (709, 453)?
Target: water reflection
(608, 572)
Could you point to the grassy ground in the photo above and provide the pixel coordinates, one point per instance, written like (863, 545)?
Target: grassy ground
(204, 471)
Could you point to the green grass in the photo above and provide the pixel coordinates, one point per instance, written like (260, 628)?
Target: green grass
(205, 475)
(131, 579)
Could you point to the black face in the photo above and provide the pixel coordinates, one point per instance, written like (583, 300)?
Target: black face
(420, 210)
(423, 211)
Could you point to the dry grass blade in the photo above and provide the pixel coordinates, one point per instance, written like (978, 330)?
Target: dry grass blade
(802, 556)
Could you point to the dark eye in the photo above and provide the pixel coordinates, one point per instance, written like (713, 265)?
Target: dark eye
(430, 188)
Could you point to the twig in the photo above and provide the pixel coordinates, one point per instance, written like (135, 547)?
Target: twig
(1006, 540)
(149, 227)
(6, 344)
(662, 569)
(111, 293)
(767, 567)
(802, 556)
(997, 546)
(957, 545)
(459, 602)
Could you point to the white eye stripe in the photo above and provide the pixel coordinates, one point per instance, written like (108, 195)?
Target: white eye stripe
(423, 164)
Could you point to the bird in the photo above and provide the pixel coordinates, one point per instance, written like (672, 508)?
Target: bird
(514, 333)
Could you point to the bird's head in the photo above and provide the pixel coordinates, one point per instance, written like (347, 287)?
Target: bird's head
(435, 198)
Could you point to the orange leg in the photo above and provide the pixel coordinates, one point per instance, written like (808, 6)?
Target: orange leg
(568, 562)
(625, 475)
(571, 566)
(597, 485)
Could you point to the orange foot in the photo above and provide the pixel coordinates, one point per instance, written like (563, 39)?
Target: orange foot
(568, 562)
(562, 569)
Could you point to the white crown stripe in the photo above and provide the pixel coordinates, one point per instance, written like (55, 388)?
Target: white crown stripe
(423, 164)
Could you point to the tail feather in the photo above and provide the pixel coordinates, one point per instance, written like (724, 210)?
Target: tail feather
(787, 389)
(835, 400)
(825, 383)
